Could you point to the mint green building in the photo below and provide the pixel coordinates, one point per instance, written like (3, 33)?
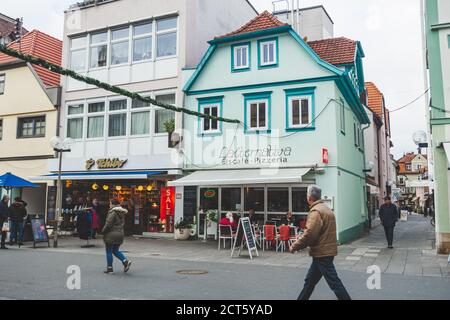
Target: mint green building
(301, 123)
(437, 29)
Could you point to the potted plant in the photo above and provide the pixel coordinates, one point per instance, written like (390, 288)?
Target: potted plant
(169, 126)
(182, 230)
(212, 217)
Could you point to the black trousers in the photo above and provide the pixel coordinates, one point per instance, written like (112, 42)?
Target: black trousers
(323, 267)
(389, 235)
(3, 239)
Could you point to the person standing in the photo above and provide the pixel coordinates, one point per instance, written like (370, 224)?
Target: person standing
(320, 236)
(4, 216)
(18, 214)
(252, 216)
(113, 236)
(95, 222)
(389, 217)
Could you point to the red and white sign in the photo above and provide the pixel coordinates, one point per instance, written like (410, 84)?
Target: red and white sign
(167, 202)
(325, 156)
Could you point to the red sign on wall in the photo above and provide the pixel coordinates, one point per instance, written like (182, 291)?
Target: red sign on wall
(325, 156)
(167, 207)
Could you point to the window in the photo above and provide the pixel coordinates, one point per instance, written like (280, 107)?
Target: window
(96, 121)
(99, 50)
(268, 53)
(254, 199)
(140, 123)
(300, 112)
(117, 118)
(408, 167)
(357, 135)
(2, 83)
(78, 48)
(258, 115)
(120, 46)
(164, 115)
(33, 127)
(142, 42)
(299, 201)
(342, 118)
(278, 199)
(75, 121)
(231, 199)
(166, 37)
(210, 125)
(241, 57)
(1, 129)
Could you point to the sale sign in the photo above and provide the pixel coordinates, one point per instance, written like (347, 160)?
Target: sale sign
(167, 207)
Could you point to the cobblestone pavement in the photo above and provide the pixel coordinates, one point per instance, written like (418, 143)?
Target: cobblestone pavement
(414, 253)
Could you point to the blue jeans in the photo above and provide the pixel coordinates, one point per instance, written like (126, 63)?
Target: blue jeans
(114, 250)
(16, 228)
(323, 267)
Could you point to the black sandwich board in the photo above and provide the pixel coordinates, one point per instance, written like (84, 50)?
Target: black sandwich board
(244, 234)
(40, 234)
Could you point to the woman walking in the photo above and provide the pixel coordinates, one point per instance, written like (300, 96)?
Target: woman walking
(113, 236)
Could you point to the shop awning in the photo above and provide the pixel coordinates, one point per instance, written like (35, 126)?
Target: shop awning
(109, 175)
(239, 177)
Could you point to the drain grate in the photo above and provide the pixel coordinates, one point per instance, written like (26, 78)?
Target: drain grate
(192, 272)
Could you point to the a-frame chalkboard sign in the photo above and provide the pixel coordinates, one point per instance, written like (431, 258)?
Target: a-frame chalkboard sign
(40, 234)
(245, 236)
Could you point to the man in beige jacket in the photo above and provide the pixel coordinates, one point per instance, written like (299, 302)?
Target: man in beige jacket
(320, 236)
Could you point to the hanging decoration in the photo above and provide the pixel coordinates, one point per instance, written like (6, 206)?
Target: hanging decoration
(103, 85)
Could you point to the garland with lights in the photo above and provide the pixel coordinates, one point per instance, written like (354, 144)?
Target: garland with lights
(91, 81)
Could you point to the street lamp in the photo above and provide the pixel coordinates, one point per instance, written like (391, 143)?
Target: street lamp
(60, 146)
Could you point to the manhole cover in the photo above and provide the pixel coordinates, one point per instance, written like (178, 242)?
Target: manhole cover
(155, 254)
(192, 272)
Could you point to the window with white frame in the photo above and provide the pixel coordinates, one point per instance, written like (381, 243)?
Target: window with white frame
(140, 118)
(300, 111)
(210, 125)
(342, 118)
(78, 50)
(2, 83)
(241, 57)
(117, 123)
(75, 121)
(99, 50)
(166, 37)
(142, 41)
(258, 115)
(96, 120)
(268, 53)
(120, 46)
(164, 115)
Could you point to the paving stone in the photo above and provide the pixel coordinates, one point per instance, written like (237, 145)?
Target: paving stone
(353, 258)
(432, 272)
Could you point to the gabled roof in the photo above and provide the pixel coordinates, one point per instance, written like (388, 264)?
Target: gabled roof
(40, 45)
(337, 51)
(7, 26)
(375, 98)
(407, 158)
(263, 21)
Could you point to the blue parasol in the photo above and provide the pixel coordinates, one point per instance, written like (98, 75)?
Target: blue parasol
(9, 181)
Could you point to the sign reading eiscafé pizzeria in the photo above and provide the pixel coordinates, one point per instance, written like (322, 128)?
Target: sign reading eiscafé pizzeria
(258, 156)
(114, 163)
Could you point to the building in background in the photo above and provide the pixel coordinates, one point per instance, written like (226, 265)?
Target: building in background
(413, 181)
(8, 32)
(29, 100)
(436, 26)
(301, 123)
(121, 146)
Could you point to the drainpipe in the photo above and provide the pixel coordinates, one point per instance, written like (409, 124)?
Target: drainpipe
(298, 17)
(292, 14)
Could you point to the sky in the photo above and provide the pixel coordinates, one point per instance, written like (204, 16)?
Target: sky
(390, 33)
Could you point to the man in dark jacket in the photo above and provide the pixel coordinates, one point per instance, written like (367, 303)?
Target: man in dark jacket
(4, 216)
(389, 216)
(18, 214)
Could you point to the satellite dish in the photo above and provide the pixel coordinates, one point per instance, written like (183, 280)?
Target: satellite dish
(420, 137)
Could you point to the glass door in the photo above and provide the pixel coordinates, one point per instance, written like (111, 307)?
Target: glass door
(209, 200)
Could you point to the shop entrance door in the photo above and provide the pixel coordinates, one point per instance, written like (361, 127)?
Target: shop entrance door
(209, 202)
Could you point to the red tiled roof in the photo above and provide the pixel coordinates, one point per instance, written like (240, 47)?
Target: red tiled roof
(264, 21)
(375, 98)
(336, 51)
(407, 158)
(7, 27)
(40, 45)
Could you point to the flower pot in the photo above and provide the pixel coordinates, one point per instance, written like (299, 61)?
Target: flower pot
(182, 234)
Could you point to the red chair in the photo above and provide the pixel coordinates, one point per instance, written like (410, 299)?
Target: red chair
(285, 237)
(270, 235)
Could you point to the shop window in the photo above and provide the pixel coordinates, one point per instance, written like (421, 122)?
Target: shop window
(164, 115)
(2, 84)
(120, 46)
(33, 127)
(209, 199)
(142, 42)
(166, 37)
(99, 50)
(241, 57)
(268, 53)
(278, 200)
(254, 199)
(299, 201)
(231, 199)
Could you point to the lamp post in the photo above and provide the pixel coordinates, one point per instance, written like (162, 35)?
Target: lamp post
(60, 146)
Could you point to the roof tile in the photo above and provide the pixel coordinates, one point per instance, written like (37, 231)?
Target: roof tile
(337, 51)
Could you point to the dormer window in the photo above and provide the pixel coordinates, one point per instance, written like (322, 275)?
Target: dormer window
(268, 53)
(241, 57)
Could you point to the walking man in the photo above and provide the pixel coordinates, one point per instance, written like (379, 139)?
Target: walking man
(389, 216)
(4, 216)
(320, 236)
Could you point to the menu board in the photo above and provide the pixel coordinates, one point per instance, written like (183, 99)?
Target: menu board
(245, 235)
(190, 204)
(51, 203)
(39, 231)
